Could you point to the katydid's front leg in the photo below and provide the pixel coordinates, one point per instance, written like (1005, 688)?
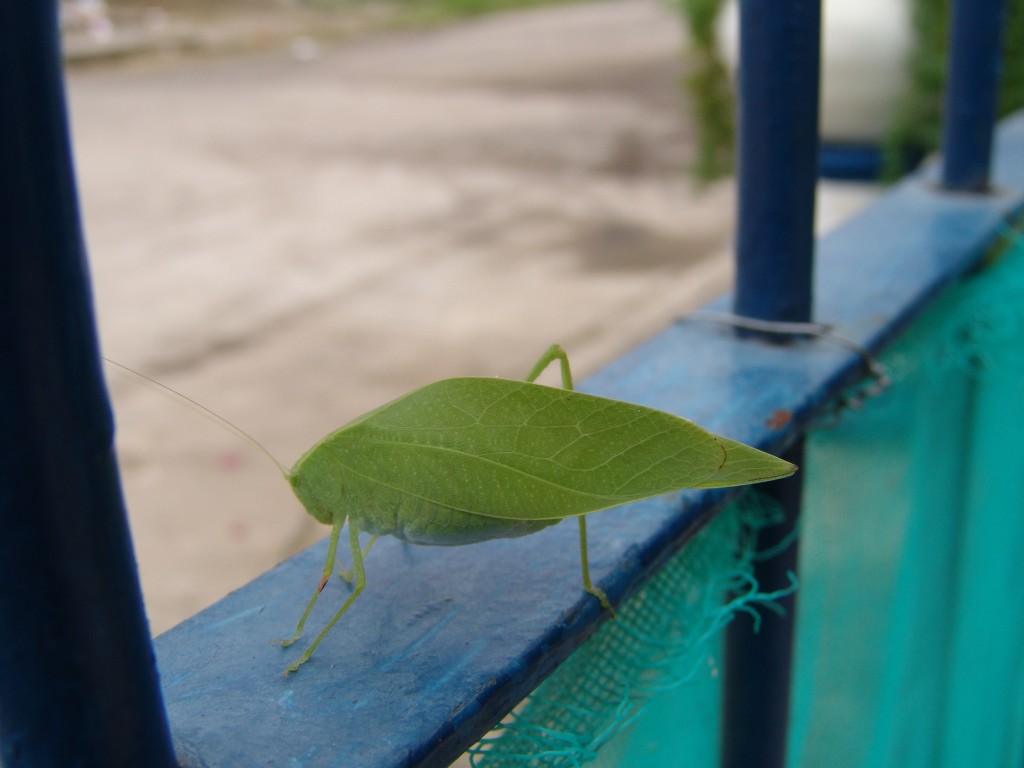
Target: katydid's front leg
(360, 582)
(332, 549)
(555, 352)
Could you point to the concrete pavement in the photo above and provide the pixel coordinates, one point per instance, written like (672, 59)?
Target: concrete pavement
(294, 239)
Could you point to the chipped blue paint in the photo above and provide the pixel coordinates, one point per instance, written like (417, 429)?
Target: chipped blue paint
(238, 616)
(423, 639)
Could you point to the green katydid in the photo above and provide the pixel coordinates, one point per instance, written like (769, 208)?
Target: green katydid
(469, 459)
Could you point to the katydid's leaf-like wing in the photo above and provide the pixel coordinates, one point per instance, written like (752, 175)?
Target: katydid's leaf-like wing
(515, 450)
(744, 465)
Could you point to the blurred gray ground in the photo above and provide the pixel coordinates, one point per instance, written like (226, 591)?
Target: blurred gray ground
(294, 236)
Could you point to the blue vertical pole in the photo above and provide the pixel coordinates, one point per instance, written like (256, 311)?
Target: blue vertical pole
(758, 659)
(777, 147)
(972, 93)
(78, 683)
(780, 52)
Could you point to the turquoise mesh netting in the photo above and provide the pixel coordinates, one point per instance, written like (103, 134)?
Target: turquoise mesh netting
(910, 647)
(664, 639)
(911, 639)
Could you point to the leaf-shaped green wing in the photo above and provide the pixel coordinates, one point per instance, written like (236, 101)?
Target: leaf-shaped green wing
(515, 450)
(744, 465)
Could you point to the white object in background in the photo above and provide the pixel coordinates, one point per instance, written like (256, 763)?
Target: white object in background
(865, 64)
(89, 15)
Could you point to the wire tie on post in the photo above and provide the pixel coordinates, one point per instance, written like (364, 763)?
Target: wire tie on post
(876, 370)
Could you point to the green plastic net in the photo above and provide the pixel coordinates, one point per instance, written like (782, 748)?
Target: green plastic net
(910, 638)
(664, 642)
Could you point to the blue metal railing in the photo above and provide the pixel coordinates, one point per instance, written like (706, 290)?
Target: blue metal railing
(78, 683)
(430, 650)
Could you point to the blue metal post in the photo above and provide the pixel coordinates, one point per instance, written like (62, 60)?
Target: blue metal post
(777, 157)
(780, 51)
(78, 683)
(758, 659)
(972, 93)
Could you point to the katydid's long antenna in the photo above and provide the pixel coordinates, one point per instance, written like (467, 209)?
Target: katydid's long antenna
(238, 431)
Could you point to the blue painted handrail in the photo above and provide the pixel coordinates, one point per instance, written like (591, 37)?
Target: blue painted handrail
(77, 678)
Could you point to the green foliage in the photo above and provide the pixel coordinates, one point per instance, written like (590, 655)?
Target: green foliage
(711, 92)
(416, 12)
(916, 128)
(1012, 95)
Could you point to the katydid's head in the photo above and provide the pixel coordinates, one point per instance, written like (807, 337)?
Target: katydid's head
(317, 488)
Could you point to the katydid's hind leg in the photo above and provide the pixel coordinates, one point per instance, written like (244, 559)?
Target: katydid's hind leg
(332, 549)
(588, 586)
(554, 352)
(346, 574)
(360, 582)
